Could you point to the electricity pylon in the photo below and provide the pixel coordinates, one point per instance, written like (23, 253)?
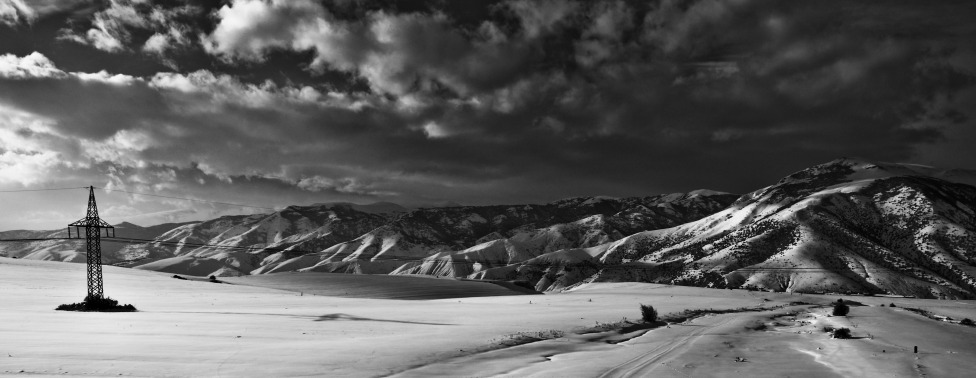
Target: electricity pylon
(93, 226)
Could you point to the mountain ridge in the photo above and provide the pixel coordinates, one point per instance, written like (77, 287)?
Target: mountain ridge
(910, 234)
(848, 225)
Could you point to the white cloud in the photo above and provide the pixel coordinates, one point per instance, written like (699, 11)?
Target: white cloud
(25, 159)
(396, 54)
(125, 147)
(157, 43)
(110, 28)
(248, 28)
(14, 12)
(105, 77)
(435, 130)
(226, 89)
(34, 65)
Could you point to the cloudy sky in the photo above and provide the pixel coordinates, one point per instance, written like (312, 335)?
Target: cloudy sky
(273, 103)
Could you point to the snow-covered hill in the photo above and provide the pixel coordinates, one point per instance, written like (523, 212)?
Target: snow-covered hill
(74, 250)
(412, 240)
(843, 226)
(386, 239)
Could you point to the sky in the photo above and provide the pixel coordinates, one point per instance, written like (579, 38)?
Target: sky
(430, 102)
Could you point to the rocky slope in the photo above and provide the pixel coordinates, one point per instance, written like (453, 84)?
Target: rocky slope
(844, 226)
(425, 241)
(74, 250)
(383, 239)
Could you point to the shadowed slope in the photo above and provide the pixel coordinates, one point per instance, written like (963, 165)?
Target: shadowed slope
(376, 286)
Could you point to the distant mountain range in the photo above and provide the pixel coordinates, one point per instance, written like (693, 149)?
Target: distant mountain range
(844, 226)
(350, 239)
(73, 250)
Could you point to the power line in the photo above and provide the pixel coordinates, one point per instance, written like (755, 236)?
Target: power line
(40, 190)
(141, 194)
(188, 199)
(36, 239)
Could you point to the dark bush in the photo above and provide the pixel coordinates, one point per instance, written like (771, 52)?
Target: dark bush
(97, 304)
(648, 313)
(891, 305)
(967, 322)
(841, 308)
(842, 333)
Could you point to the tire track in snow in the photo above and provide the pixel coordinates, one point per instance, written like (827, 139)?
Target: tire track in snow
(643, 364)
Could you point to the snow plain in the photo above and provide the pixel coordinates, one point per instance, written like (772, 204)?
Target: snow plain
(198, 328)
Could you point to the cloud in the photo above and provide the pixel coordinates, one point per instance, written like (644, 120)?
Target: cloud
(350, 185)
(165, 40)
(111, 29)
(23, 159)
(712, 79)
(249, 28)
(176, 120)
(397, 54)
(35, 65)
(15, 12)
(541, 17)
(536, 101)
(603, 37)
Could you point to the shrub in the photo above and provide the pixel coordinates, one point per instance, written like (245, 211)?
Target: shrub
(97, 304)
(967, 322)
(840, 308)
(648, 313)
(891, 305)
(842, 333)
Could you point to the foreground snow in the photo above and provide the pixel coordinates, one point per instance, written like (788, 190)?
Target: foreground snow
(197, 328)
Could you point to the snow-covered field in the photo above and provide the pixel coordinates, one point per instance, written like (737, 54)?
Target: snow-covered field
(198, 328)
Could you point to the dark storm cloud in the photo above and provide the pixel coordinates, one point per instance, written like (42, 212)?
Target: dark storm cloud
(513, 101)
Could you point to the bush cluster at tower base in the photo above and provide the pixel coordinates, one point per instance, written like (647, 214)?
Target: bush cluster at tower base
(97, 304)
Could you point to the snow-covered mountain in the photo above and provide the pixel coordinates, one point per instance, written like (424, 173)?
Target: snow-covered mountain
(426, 241)
(844, 226)
(74, 250)
(386, 239)
(236, 245)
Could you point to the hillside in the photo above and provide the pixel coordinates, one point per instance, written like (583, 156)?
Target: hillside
(74, 250)
(844, 226)
(346, 239)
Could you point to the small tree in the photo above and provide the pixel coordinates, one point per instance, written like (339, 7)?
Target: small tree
(842, 333)
(967, 322)
(841, 308)
(648, 313)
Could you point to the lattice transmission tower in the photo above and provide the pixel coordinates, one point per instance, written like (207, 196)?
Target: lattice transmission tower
(93, 226)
